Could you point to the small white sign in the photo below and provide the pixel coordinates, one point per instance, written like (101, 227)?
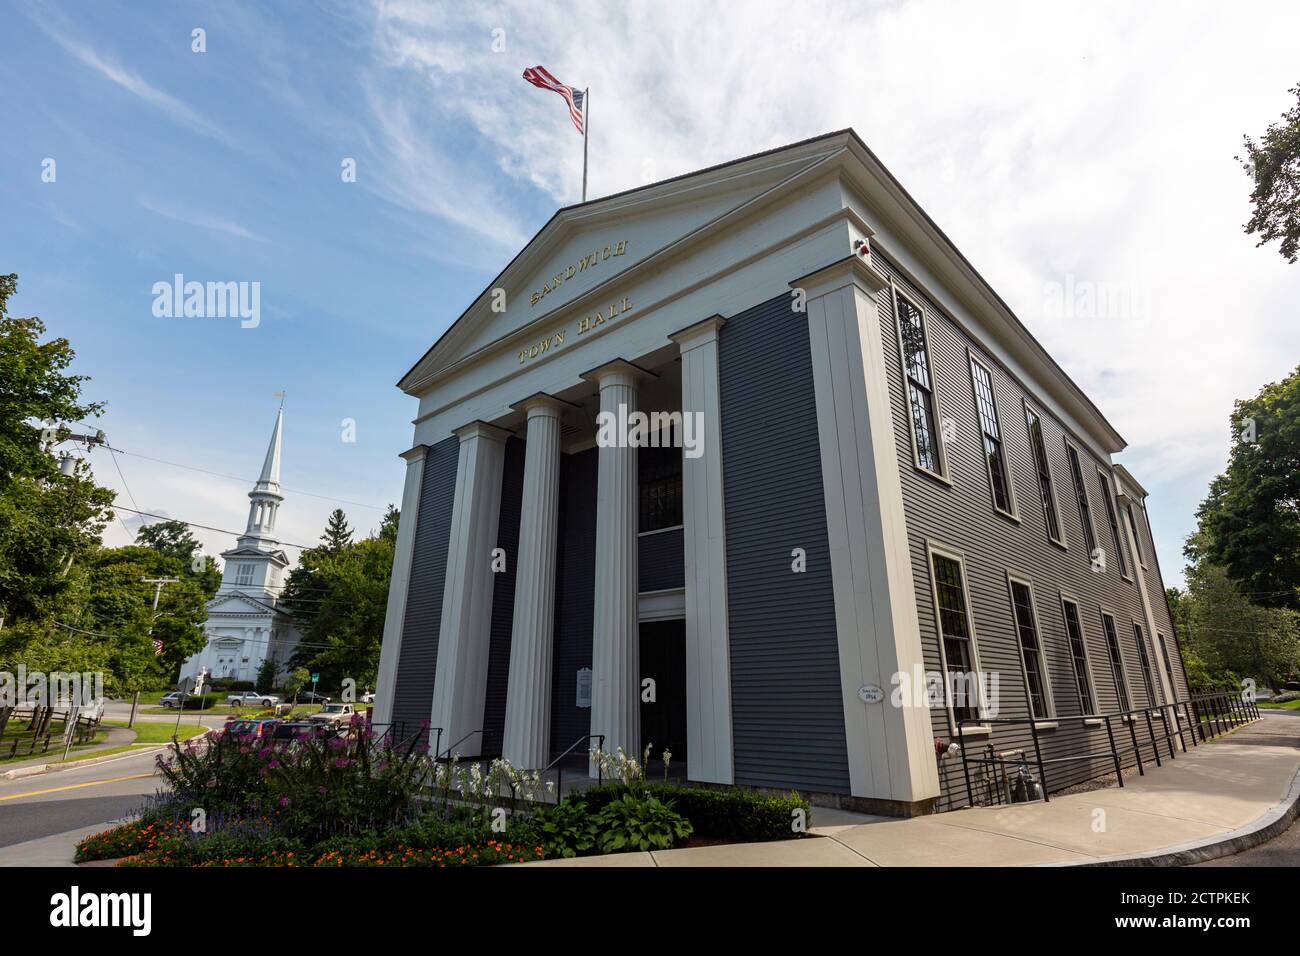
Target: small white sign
(871, 694)
(584, 687)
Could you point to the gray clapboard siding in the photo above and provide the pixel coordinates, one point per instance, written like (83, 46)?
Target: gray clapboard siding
(418, 658)
(661, 561)
(503, 598)
(574, 597)
(961, 516)
(787, 717)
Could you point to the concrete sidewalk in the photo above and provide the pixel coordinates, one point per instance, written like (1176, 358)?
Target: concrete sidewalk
(1216, 799)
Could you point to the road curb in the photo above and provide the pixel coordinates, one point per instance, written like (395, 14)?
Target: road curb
(44, 768)
(1274, 821)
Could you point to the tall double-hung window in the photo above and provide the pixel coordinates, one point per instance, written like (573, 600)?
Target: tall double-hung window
(956, 636)
(1031, 649)
(994, 456)
(1116, 662)
(1107, 495)
(919, 381)
(1046, 489)
(1079, 657)
(1081, 498)
(1140, 639)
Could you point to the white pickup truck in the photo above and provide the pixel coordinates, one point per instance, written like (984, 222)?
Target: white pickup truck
(245, 698)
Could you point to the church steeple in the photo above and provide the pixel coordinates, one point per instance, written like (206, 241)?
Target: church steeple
(265, 496)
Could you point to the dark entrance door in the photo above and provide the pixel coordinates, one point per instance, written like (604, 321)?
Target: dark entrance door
(663, 660)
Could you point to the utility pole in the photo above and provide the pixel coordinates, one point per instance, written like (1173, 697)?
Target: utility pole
(158, 585)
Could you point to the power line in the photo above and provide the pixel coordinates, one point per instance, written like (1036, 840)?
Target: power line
(218, 474)
(248, 640)
(205, 527)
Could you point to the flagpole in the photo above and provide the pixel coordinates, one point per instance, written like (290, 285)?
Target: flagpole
(586, 124)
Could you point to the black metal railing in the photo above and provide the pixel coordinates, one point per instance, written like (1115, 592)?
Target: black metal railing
(1207, 714)
(558, 763)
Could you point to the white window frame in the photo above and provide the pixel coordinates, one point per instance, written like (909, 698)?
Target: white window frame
(1150, 676)
(1109, 612)
(1091, 530)
(1071, 598)
(1141, 546)
(1112, 508)
(244, 574)
(895, 291)
(1037, 411)
(933, 548)
(1011, 513)
(1049, 700)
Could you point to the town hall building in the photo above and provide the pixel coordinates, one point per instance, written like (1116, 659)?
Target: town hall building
(887, 477)
(246, 621)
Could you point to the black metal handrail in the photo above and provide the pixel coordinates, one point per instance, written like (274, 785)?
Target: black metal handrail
(444, 756)
(1223, 711)
(559, 766)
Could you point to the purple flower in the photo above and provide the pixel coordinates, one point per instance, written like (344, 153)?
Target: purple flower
(323, 791)
(284, 801)
(341, 763)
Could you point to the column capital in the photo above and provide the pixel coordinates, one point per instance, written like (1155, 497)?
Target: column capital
(480, 429)
(539, 403)
(701, 333)
(617, 372)
(414, 454)
(849, 270)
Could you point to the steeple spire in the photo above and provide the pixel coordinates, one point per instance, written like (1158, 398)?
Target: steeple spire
(265, 496)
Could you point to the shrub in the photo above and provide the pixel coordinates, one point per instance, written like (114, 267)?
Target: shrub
(218, 771)
(128, 839)
(238, 685)
(733, 816)
(566, 830)
(638, 821)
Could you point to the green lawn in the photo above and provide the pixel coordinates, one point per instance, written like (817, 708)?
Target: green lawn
(158, 732)
(1289, 705)
(24, 739)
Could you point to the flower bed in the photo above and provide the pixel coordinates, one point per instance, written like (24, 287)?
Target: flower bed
(354, 800)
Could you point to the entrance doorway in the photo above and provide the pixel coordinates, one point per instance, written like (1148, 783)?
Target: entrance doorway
(663, 720)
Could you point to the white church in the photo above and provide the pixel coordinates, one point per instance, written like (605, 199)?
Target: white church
(246, 622)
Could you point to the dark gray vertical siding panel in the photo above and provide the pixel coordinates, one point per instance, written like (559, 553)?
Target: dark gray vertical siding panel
(503, 598)
(961, 516)
(574, 597)
(787, 715)
(418, 658)
(661, 561)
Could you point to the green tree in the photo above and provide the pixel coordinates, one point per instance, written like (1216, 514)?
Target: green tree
(296, 682)
(337, 534)
(1274, 165)
(1250, 522)
(49, 522)
(174, 539)
(265, 677)
(338, 600)
(1228, 634)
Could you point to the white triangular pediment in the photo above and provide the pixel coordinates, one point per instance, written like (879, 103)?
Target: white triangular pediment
(235, 603)
(584, 246)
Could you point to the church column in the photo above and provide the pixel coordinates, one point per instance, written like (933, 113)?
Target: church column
(391, 648)
(615, 667)
(708, 662)
(526, 741)
(460, 683)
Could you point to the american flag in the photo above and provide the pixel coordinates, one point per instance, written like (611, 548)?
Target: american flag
(157, 647)
(539, 76)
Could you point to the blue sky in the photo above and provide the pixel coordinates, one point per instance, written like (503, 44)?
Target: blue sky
(1088, 143)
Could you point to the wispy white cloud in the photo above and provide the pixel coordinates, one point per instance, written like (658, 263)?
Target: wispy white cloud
(137, 85)
(202, 220)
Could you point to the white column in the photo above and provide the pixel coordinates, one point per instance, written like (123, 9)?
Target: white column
(708, 661)
(890, 749)
(527, 735)
(615, 664)
(460, 681)
(394, 617)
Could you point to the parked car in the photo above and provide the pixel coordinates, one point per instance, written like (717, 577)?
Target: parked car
(333, 715)
(288, 730)
(368, 697)
(263, 728)
(171, 700)
(310, 697)
(244, 698)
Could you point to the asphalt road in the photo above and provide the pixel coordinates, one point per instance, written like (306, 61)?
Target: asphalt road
(51, 803)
